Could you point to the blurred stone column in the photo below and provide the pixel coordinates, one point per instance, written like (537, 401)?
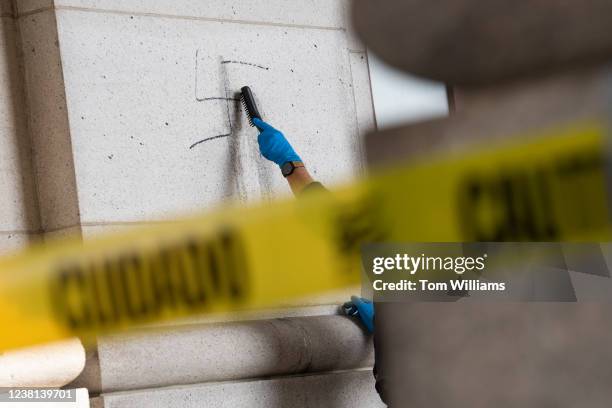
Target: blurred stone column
(518, 69)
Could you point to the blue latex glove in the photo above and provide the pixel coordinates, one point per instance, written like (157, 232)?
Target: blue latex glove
(362, 308)
(273, 145)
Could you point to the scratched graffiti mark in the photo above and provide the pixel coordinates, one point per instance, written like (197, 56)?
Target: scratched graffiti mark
(245, 63)
(227, 98)
(197, 71)
(209, 138)
(218, 98)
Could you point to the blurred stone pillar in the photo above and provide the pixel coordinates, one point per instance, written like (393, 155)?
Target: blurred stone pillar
(517, 70)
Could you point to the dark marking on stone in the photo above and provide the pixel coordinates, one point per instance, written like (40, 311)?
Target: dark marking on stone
(218, 98)
(245, 63)
(209, 138)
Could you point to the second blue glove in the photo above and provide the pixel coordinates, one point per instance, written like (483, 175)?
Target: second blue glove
(362, 308)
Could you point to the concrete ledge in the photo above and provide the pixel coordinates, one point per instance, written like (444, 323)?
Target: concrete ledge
(337, 390)
(49, 365)
(227, 351)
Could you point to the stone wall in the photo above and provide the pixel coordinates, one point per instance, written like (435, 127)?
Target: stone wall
(120, 113)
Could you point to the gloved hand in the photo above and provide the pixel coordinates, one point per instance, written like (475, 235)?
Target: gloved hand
(362, 308)
(273, 145)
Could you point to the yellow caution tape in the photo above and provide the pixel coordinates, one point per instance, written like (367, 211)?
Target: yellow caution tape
(551, 188)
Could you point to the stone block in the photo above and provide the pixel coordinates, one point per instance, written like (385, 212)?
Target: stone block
(48, 121)
(133, 113)
(142, 91)
(186, 354)
(91, 378)
(328, 14)
(49, 365)
(337, 390)
(31, 6)
(19, 211)
(13, 241)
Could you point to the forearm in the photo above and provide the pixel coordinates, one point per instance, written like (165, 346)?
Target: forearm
(274, 146)
(299, 179)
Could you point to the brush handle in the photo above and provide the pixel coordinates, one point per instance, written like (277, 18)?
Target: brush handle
(248, 100)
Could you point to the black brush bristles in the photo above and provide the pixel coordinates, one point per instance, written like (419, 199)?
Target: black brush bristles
(248, 101)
